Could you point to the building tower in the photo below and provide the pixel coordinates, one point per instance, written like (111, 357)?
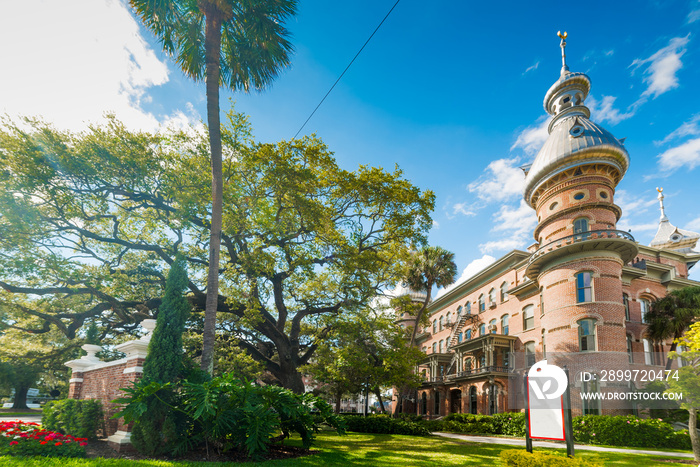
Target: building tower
(580, 255)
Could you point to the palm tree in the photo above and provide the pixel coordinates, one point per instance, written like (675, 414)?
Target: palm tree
(672, 315)
(432, 266)
(238, 44)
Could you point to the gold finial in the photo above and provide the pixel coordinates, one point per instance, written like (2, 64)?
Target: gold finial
(660, 190)
(562, 36)
(564, 68)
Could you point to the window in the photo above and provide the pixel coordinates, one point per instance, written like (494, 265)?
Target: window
(626, 303)
(482, 330)
(434, 326)
(482, 305)
(469, 334)
(482, 361)
(493, 327)
(679, 350)
(530, 353)
(544, 345)
(437, 403)
(580, 195)
(440, 346)
(528, 317)
(648, 357)
(425, 349)
(504, 291)
(459, 337)
(591, 406)
(468, 306)
(506, 359)
(541, 301)
(492, 296)
(629, 349)
(468, 364)
(459, 312)
(584, 289)
(586, 335)
(504, 324)
(434, 347)
(553, 206)
(644, 304)
(449, 318)
(580, 225)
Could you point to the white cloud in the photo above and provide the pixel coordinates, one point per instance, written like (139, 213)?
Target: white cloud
(505, 244)
(533, 137)
(663, 66)
(464, 209)
(436, 224)
(472, 268)
(694, 14)
(633, 206)
(532, 67)
(70, 70)
(634, 228)
(687, 154)
(518, 222)
(609, 53)
(602, 111)
(689, 128)
(503, 180)
(693, 225)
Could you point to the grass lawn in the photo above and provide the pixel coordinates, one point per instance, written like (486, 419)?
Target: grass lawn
(358, 449)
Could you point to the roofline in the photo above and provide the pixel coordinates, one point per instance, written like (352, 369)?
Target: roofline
(510, 260)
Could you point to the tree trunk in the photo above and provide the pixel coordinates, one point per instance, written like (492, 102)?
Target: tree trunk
(693, 431)
(212, 46)
(338, 399)
(669, 360)
(378, 393)
(21, 397)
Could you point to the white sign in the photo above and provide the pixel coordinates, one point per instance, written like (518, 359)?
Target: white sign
(546, 385)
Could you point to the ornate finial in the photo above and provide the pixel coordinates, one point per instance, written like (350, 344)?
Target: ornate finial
(562, 44)
(661, 204)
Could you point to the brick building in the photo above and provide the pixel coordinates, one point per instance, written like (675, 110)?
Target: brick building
(577, 296)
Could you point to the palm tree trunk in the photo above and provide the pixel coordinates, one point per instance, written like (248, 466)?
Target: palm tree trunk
(669, 360)
(212, 46)
(693, 432)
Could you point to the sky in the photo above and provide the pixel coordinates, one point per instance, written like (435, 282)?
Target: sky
(450, 91)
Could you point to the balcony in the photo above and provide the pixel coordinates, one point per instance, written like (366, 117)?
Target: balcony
(477, 372)
(616, 241)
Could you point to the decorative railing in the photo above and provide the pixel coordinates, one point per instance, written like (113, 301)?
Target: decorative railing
(482, 370)
(578, 238)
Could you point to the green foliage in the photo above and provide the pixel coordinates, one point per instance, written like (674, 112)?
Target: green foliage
(511, 424)
(225, 413)
(521, 458)
(81, 418)
(628, 431)
(385, 424)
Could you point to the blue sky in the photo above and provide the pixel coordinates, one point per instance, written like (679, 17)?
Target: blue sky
(450, 91)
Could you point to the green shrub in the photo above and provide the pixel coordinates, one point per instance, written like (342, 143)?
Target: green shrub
(387, 425)
(628, 431)
(511, 424)
(80, 418)
(521, 458)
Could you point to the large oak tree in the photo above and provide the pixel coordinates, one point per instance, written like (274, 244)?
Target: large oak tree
(89, 222)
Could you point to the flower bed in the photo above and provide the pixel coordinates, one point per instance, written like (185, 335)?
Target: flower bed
(29, 439)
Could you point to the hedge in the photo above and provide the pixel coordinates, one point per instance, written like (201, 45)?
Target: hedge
(79, 418)
(520, 458)
(629, 431)
(385, 424)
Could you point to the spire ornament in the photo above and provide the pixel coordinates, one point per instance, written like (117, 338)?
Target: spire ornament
(562, 44)
(661, 204)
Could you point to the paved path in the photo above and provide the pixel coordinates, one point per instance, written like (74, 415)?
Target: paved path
(25, 418)
(549, 444)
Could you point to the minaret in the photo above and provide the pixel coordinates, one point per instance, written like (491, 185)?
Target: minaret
(578, 263)
(670, 237)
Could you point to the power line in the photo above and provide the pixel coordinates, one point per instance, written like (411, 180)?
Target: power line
(346, 68)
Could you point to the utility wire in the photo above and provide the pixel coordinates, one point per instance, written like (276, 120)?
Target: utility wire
(346, 68)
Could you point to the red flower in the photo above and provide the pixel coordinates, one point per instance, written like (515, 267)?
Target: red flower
(12, 443)
(58, 443)
(83, 443)
(43, 442)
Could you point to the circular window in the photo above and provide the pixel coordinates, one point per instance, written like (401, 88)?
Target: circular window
(579, 196)
(553, 206)
(603, 195)
(676, 238)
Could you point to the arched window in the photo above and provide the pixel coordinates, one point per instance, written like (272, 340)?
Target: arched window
(459, 312)
(644, 304)
(434, 326)
(442, 322)
(584, 287)
(493, 327)
(544, 345)
(425, 349)
(468, 306)
(459, 337)
(482, 305)
(626, 303)
(629, 349)
(648, 357)
(541, 301)
(530, 353)
(440, 346)
(469, 334)
(504, 324)
(492, 297)
(434, 347)
(482, 330)
(528, 317)
(504, 291)
(448, 320)
(580, 225)
(586, 335)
